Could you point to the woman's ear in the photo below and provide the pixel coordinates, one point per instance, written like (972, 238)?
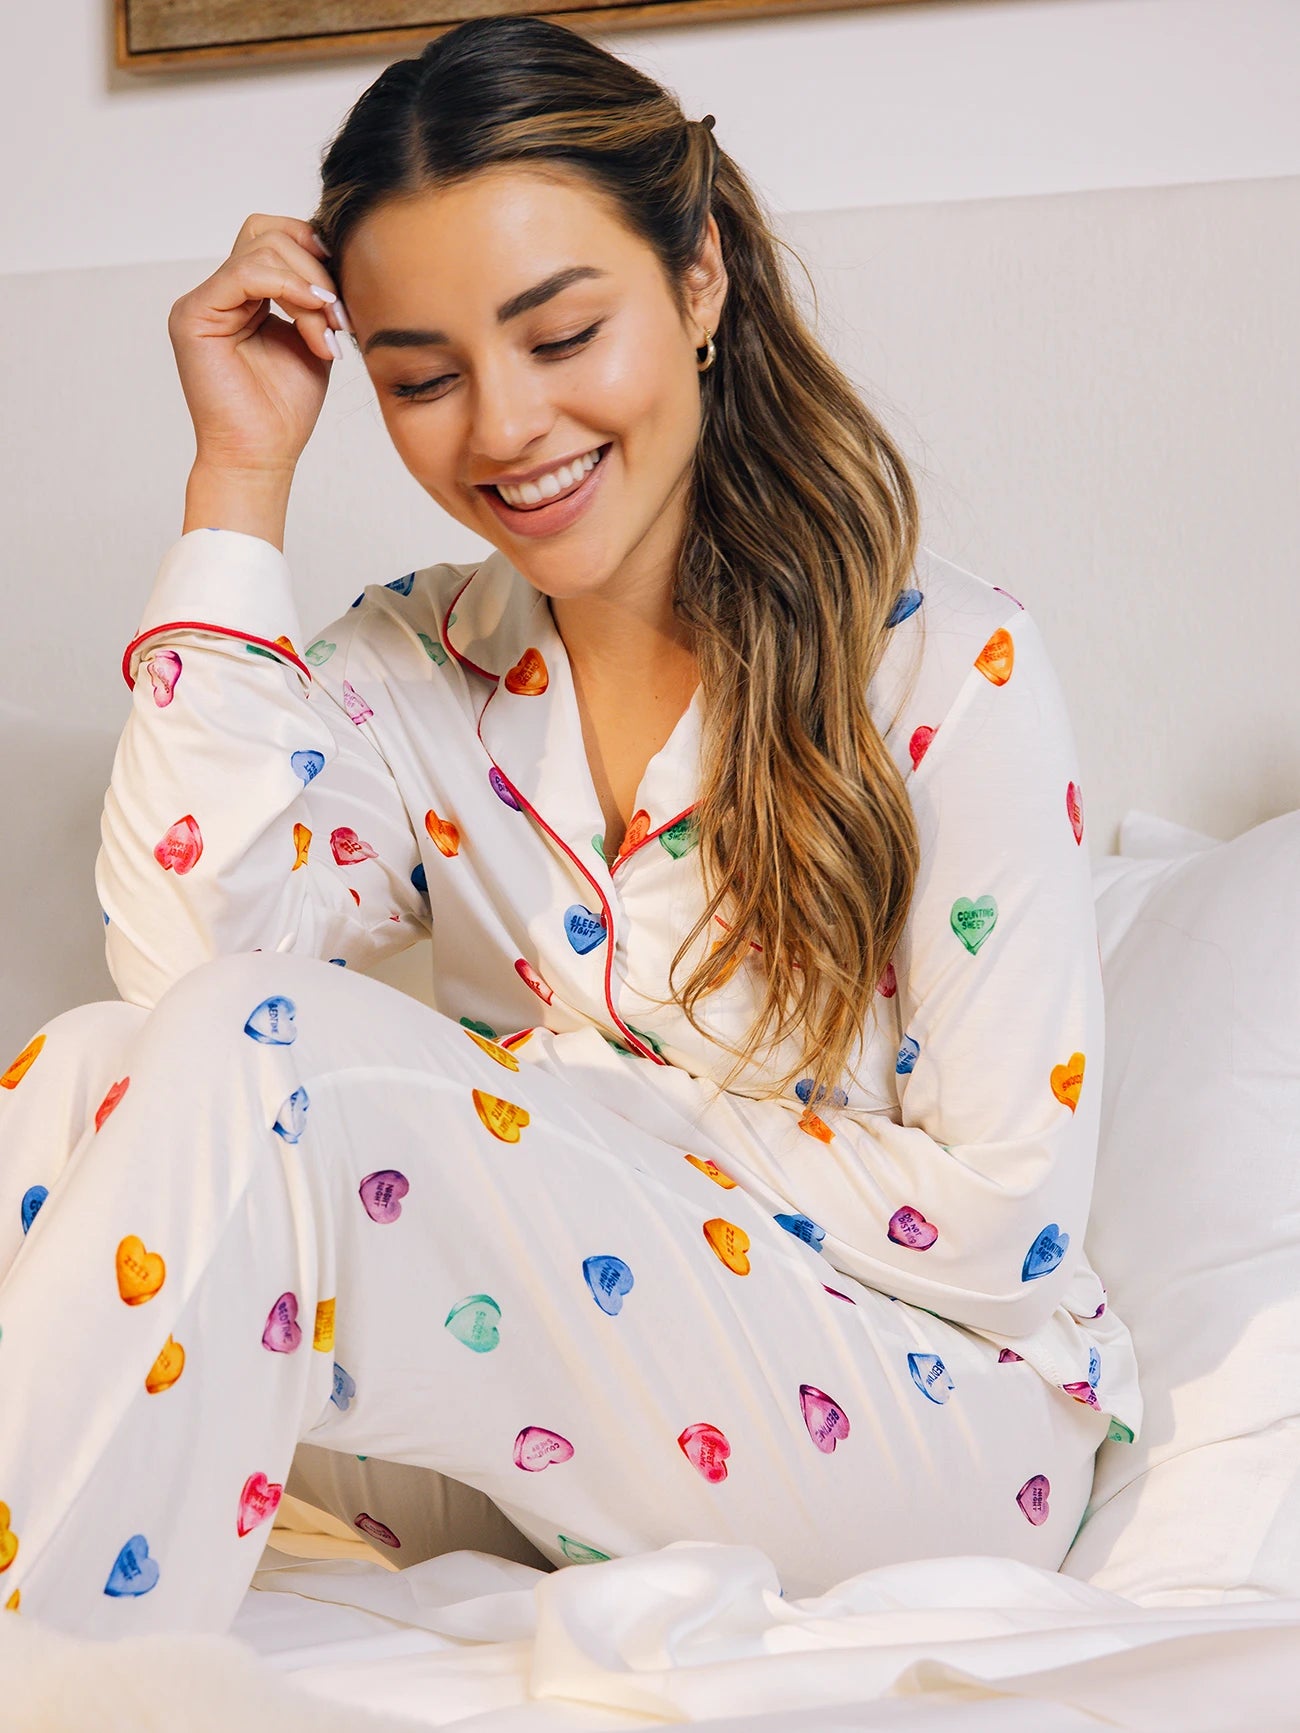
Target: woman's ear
(706, 280)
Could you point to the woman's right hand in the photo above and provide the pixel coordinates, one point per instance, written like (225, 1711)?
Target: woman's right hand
(255, 383)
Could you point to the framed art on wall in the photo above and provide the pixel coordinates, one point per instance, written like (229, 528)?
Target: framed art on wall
(161, 35)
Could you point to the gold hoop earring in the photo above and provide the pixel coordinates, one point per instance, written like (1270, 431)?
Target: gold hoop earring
(711, 354)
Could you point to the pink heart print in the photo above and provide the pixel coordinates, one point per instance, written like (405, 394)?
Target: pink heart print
(355, 705)
(887, 985)
(1083, 1392)
(382, 1194)
(164, 670)
(1006, 1355)
(706, 1448)
(283, 1333)
(537, 1448)
(1074, 806)
(371, 1525)
(259, 1500)
(180, 846)
(826, 1421)
(1032, 1498)
(348, 847)
(908, 1227)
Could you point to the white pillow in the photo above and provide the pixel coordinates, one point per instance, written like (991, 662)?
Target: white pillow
(1195, 1225)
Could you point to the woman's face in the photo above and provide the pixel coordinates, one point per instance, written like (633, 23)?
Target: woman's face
(477, 389)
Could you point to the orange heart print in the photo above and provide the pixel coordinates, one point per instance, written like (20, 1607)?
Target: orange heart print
(23, 1064)
(1067, 1081)
(503, 1118)
(528, 677)
(8, 1540)
(445, 835)
(167, 1368)
(322, 1339)
(815, 1126)
(714, 1172)
(635, 835)
(493, 1051)
(140, 1273)
(730, 1242)
(996, 659)
(301, 843)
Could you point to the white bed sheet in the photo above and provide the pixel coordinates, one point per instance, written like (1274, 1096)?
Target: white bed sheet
(700, 1632)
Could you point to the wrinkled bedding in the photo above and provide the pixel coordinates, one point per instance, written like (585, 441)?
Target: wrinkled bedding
(699, 1631)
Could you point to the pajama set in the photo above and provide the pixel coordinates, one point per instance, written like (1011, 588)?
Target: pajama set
(269, 1221)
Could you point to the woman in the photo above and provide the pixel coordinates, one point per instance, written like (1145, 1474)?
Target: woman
(737, 1188)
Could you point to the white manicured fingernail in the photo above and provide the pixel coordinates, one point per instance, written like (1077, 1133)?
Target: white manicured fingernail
(332, 338)
(325, 294)
(341, 314)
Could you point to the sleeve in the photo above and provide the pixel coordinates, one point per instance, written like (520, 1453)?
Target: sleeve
(973, 1202)
(249, 806)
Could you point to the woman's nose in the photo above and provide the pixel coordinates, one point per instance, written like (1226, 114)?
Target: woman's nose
(511, 411)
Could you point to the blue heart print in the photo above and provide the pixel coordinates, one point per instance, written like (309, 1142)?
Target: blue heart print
(291, 1121)
(931, 1377)
(33, 1198)
(584, 930)
(133, 1572)
(272, 1022)
(341, 961)
(906, 605)
(803, 1229)
(307, 764)
(908, 1054)
(420, 879)
(1094, 1366)
(804, 1088)
(609, 1278)
(402, 585)
(1045, 1253)
(345, 1388)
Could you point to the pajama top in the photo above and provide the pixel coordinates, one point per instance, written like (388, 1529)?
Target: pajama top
(417, 769)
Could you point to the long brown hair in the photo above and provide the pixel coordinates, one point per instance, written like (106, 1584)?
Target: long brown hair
(802, 524)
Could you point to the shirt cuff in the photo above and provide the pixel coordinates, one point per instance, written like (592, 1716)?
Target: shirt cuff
(226, 583)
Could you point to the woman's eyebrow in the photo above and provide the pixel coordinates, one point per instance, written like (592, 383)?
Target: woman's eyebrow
(524, 302)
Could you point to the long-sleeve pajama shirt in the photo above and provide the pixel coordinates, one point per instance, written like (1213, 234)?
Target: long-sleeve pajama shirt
(267, 1211)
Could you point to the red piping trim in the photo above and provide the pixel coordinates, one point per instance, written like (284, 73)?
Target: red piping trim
(207, 626)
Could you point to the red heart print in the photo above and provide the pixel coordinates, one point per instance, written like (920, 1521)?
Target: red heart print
(180, 846)
(348, 847)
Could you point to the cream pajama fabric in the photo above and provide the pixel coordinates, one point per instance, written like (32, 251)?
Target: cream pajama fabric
(521, 1240)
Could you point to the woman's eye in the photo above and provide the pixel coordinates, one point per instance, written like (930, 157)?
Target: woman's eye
(559, 349)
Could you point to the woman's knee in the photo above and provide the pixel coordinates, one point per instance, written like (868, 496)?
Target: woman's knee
(255, 991)
(99, 1029)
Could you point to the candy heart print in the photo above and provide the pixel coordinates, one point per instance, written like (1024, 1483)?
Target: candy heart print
(537, 1448)
(474, 1321)
(908, 1227)
(609, 1278)
(526, 973)
(826, 1421)
(140, 1273)
(1032, 1498)
(23, 1064)
(164, 670)
(528, 677)
(1067, 1080)
(133, 1572)
(706, 1448)
(180, 847)
(996, 660)
(283, 1333)
(1074, 806)
(382, 1194)
(348, 848)
(258, 1501)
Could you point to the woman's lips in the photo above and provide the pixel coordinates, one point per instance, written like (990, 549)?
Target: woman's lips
(555, 514)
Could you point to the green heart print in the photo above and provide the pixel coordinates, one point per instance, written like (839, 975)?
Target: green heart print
(484, 1029)
(680, 838)
(474, 1322)
(973, 922)
(319, 652)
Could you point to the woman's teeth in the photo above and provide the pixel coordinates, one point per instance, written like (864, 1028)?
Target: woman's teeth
(549, 486)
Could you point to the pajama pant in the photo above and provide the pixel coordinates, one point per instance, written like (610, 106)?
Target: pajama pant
(292, 1205)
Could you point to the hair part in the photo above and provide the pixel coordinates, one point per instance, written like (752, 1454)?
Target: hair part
(802, 525)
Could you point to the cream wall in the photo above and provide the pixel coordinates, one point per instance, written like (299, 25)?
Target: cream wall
(1083, 336)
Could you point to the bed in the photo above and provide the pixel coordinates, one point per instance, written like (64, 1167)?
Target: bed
(1178, 1604)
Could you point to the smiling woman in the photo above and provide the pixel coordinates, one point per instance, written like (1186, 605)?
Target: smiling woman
(562, 1239)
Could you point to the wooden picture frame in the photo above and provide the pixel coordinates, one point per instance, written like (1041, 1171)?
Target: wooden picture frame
(165, 35)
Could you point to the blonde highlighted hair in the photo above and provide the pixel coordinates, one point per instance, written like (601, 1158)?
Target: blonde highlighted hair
(802, 522)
